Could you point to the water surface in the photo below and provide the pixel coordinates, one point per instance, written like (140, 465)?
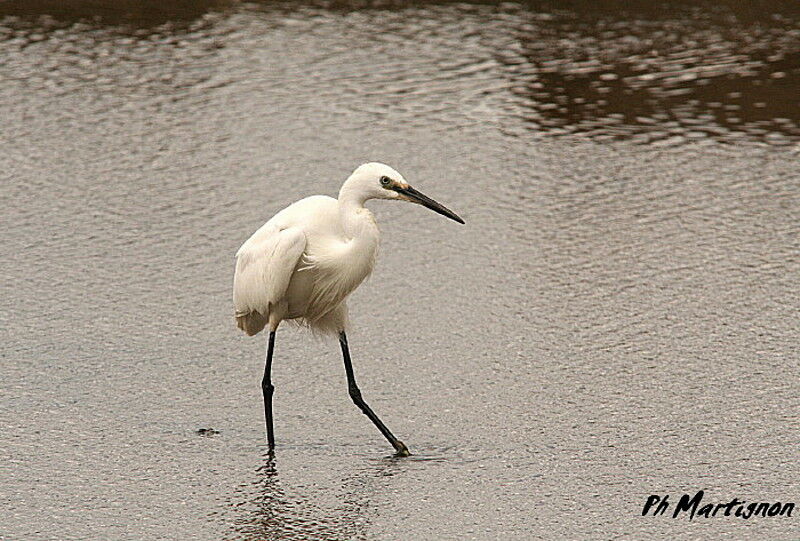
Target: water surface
(618, 317)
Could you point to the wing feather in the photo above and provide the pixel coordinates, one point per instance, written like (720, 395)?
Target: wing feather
(264, 267)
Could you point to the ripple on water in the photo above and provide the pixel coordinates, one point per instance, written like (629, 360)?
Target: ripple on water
(674, 74)
(679, 73)
(596, 290)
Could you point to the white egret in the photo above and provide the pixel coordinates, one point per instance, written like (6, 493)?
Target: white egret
(303, 263)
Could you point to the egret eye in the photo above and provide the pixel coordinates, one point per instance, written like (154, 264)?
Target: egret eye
(385, 181)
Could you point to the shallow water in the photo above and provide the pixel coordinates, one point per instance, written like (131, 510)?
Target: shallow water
(618, 318)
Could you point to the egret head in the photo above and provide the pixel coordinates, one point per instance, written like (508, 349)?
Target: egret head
(379, 181)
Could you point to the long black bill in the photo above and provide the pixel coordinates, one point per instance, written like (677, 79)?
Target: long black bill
(417, 197)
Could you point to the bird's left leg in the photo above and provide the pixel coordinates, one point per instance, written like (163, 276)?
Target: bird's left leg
(355, 394)
(267, 389)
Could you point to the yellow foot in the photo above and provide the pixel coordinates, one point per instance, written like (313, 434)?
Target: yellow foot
(401, 449)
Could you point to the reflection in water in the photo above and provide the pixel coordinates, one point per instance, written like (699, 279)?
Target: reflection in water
(655, 73)
(134, 13)
(271, 509)
(266, 504)
(674, 72)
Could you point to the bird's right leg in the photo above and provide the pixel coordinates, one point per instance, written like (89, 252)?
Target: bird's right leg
(355, 394)
(267, 389)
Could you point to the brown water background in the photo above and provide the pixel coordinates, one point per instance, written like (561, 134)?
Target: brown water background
(618, 318)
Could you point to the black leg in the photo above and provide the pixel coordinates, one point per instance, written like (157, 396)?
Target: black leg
(267, 389)
(355, 394)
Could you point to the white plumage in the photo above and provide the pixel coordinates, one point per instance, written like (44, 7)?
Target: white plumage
(303, 263)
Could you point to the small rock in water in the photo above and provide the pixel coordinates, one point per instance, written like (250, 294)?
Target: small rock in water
(207, 432)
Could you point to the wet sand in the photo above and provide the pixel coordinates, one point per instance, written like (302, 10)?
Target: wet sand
(618, 318)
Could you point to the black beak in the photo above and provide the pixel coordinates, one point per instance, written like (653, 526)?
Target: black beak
(417, 197)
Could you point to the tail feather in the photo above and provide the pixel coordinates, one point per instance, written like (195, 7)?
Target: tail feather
(252, 323)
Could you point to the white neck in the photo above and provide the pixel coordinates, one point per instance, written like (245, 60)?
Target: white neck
(361, 230)
(350, 193)
(357, 221)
